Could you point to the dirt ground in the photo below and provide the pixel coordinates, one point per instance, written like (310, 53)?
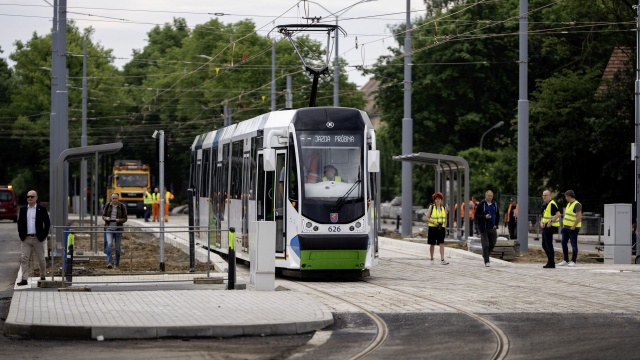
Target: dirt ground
(139, 254)
(533, 256)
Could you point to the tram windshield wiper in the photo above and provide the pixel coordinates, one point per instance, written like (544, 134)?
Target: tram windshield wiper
(340, 202)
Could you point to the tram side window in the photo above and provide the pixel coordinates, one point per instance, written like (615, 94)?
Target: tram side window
(192, 170)
(253, 167)
(236, 170)
(293, 174)
(213, 171)
(224, 171)
(206, 168)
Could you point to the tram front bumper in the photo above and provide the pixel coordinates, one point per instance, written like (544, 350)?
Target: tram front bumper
(322, 252)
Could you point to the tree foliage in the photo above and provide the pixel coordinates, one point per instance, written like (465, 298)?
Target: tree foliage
(27, 114)
(168, 85)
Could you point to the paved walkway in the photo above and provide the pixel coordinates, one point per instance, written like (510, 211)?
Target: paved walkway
(158, 307)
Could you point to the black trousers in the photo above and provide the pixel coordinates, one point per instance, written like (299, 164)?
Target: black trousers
(513, 227)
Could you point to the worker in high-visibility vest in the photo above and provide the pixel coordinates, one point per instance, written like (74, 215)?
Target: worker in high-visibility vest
(472, 215)
(549, 225)
(570, 228)
(148, 203)
(511, 218)
(463, 216)
(167, 197)
(436, 217)
(155, 208)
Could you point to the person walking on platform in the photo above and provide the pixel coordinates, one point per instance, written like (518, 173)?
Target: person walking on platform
(511, 218)
(487, 216)
(167, 197)
(156, 204)
(114, 216)
(570, 228)
(436, 217)
(549, 225)
(148, 203)
(33, 228)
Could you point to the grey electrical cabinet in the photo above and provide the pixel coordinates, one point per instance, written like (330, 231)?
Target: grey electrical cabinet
(617, 233)
(262, 244)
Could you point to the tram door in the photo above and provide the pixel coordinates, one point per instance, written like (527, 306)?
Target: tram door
(270, 196)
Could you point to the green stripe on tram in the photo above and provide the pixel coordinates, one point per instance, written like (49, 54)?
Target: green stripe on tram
(332, 259)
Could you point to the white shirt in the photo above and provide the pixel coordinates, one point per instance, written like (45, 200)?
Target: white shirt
(31, 219)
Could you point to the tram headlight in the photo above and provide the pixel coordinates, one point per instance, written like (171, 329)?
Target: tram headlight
(309, 225)
(315, 228)
(358, 225)
(351, 228)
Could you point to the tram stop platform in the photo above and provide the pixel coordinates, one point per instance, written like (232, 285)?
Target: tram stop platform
(156, 306)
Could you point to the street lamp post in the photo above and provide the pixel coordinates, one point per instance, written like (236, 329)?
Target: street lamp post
(492, 128)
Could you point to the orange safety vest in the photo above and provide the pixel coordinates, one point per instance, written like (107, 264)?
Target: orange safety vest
(472, 212)
(507, 218)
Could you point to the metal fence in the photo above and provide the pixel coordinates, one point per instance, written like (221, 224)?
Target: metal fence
(591, 225)
(170, 253)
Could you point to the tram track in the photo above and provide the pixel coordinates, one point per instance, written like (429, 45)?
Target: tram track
(382, 328)
(501, 338)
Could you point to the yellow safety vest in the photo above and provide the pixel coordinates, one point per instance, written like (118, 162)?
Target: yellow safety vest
(156, 197)
(71, 240)
(148, 199)
(570, 215)
(547, 215)
(335, 178)
(168, 196)
(439, 215)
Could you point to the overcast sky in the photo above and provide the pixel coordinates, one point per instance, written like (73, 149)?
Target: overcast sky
(123, 25)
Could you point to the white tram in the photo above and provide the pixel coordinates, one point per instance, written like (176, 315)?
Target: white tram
(271, 169)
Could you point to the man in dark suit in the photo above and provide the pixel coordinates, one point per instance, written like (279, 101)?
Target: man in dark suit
(33, 228)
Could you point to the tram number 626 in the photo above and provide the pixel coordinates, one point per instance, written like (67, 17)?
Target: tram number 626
(334, 229)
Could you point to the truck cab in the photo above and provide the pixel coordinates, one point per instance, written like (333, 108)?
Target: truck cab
(130, 179)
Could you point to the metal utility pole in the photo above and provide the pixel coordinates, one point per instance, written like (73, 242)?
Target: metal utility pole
(637, 114)
(83, 138)
(407, 132)
(59, 138)
(162, 193)
(523, 130)
(336, 71)
(53, 130)
(273, 75)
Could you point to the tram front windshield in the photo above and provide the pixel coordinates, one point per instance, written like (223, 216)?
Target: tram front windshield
(332, 174)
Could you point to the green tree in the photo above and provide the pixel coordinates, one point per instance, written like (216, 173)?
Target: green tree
(465, 80)
(6, 145)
